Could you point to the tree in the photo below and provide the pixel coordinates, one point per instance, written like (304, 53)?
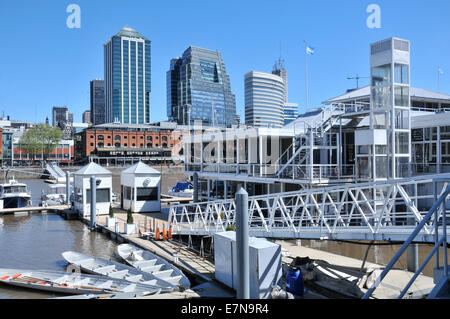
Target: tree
(40, 139)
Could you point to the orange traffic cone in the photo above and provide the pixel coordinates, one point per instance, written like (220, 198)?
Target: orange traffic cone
(170, 232)
(164, 234)
(157, 232)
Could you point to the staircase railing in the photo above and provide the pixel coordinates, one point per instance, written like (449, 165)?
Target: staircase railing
(441, 201)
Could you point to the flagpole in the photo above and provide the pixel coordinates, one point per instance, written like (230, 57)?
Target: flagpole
(306, 73)
(439, 79)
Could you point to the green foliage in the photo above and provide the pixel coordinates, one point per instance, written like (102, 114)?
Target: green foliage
(231, 228)
(111, 211)
(40, 139)
(130, 219)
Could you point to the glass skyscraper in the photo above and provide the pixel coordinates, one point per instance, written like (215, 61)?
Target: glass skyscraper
(127, 78)
(198, 89)
(98, 111)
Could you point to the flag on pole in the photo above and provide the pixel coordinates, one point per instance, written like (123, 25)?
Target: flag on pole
(441, 71)
(309, 50)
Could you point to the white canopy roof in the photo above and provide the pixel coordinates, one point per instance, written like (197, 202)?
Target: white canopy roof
(92, 169)
(141, 169)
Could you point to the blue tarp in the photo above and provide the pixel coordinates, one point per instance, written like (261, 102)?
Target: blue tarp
(181, 186)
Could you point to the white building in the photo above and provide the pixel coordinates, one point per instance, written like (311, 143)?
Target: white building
(82, 189)
(141, 188)
(264, 99)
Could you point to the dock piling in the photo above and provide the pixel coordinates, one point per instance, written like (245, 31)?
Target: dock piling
(93, 202)
(243, 268)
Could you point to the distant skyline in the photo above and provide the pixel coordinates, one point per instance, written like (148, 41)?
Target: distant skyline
(46, 64)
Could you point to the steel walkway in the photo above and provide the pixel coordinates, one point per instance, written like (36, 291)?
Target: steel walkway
(384, 210)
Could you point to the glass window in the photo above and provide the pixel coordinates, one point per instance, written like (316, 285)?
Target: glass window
(401, 73)
(102, 195)
(147, 193)
(402, 119)
(127, 192)
(381, 75)
(401, 94)
(381, 97)
(381, 163)
(401, 142)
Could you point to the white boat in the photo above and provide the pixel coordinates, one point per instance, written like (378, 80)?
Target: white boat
(148, 262)
(71, 283)
(105, 267)
(56, 195)
(15, 194)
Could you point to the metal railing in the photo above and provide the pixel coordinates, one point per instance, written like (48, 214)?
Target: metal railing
(385, 210)
(442, 240)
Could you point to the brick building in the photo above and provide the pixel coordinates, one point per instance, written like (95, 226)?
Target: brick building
(117, 143)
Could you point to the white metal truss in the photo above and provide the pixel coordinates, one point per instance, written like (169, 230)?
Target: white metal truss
(383, 210)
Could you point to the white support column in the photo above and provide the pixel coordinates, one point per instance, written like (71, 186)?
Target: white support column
(237, 155)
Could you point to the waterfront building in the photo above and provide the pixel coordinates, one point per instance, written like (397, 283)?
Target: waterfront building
(140, 188)
(127, 78)
(198, 89)
(264, 99)
(63, 153)
(361, 136)
(116, 143)
(97, 96)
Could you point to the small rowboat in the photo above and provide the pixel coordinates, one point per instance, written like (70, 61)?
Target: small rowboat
(71, 283)
(150, 263)
(105, 267)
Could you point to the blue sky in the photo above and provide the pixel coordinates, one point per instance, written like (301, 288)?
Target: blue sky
(44, 63)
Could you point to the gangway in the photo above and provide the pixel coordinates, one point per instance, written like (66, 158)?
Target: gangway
(56, 172)
(381, 210)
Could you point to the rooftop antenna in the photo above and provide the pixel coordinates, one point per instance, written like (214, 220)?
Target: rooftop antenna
(357, 77)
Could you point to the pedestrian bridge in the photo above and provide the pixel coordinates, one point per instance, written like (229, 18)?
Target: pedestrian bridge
(383, 211)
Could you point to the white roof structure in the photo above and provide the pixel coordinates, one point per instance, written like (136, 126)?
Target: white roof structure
(141, 169)
(364, 92)
(92, 169)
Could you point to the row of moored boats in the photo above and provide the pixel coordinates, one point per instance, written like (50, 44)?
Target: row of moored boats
(143, 274)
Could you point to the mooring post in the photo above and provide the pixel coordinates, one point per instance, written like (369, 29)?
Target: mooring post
(68, 188)
(243, 268)
(93, 201)
(195, 187)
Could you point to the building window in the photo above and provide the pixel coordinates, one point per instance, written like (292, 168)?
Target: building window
(149, 138)
(164, 138)
(147, 193)
(164, 145)
(117, 138)
(102, 195)
(149, 145)
(92, 144)
(117, 145)
(101, 138)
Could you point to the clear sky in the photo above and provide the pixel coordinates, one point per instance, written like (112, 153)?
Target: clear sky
(43, 63)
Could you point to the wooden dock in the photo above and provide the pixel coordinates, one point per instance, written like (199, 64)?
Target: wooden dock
(5, 211)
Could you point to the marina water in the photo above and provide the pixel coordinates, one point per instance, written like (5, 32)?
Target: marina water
(36, 241)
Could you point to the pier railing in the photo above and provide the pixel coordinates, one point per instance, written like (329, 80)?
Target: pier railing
(439, 212)
(385, 210)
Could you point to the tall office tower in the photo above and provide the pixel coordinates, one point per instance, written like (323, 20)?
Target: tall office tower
(278, 69)
(60, 115)
(264, 99)
(198, 89)
(87, 117)
(98, 110)
(127, 78)
(69, 118)
(383, 151)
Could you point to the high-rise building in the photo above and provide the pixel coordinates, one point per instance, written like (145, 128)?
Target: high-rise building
(60, 115)
(127, 78)
(198, 89)
(264, 99)
(87, 117)
(98, 110)
(278, 69)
